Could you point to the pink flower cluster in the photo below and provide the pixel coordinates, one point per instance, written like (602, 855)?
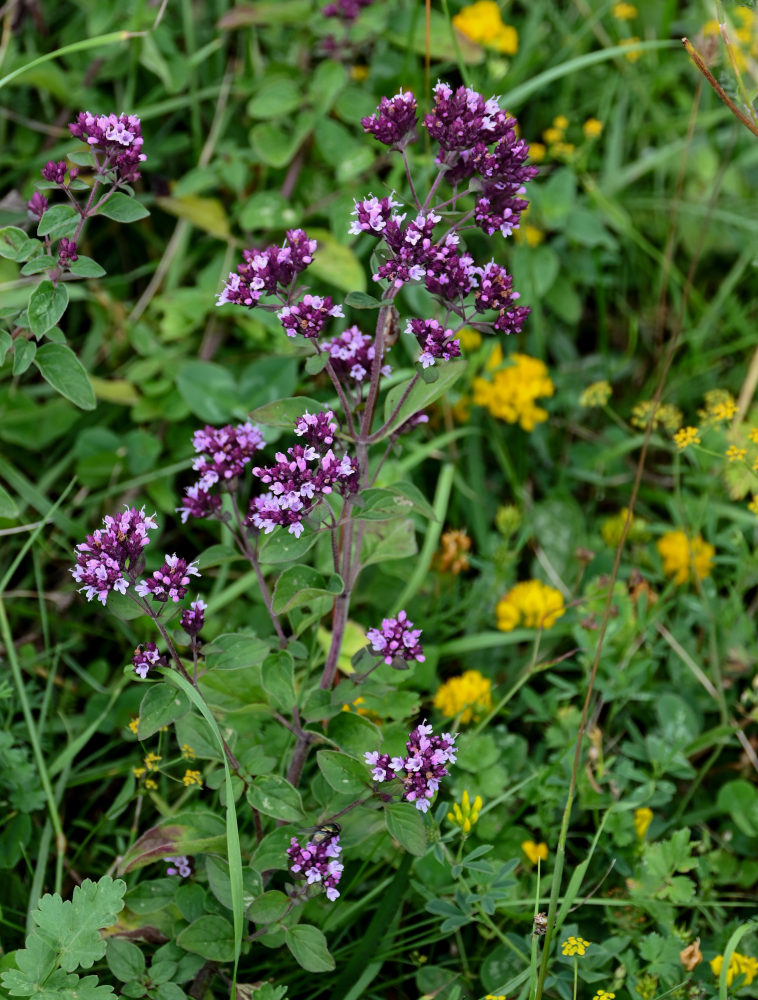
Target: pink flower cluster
(111, 559)
(318, 863)
(421, 770)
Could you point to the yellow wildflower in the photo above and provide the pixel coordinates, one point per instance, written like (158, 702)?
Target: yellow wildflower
(552, 135)
(452, 557)
(686, 436)
(512, 392)
(481, 23)
(720, 406)
(711, 29)
(138, 772)
(134, 724)
(561, 122)
(358, 73)
(532, 604)
(562, 148)
(643, 817)
(735, 454)
(604, 995)
(739, 965)
(753, 505)
(529, 234)
(469, 338)
(624, 11)
(469, 694)
(187, 752)
(574, 946)
(592, 128)
(150, 785)
(357, 706)
(683, 556)
(612, 528)
(465, 814)
(631, 56)
(596, 394)
(192, 778)
(535, 852)
(537, 152)
(665, 414)
(753, 434)
(151, 761)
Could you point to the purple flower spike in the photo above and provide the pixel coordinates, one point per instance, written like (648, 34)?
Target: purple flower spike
(318, 863)
(372, 214)
(145, 658)
(110, 559)
(308, 317)
(462, 118)
(449, 274)
(352, 354)
(179, 865)
(37, 205)
(421, 770)
(317, 428)
(199, 503)
(55, 172)
(230, 449)
(118, 137)
(436, 342)
(270, 271)
(193, 619)
(67, 251)
(396, 638)
(394, 121)
(170, 582)
(496, 292)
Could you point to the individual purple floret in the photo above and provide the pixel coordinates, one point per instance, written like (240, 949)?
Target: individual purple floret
(67, 251)
(193, 618)
(170, 582)
(146, 657)
(229, 450)
(317, 429)
(421, 770)
(372, 214)
(352, 354)
(318, 863)
(396, 638)
(37, 205)
(460, 119)
(180, 865)
(496, 292)
(309, 316)
(437, 343)
(119, 137)
(111, 558)
(199, 503)
(270, 271)
(54, 171)
(394, 121)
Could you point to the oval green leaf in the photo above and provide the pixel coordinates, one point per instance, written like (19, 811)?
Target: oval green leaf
(59, 366)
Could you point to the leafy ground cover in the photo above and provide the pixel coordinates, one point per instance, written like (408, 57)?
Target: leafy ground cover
(378, 498)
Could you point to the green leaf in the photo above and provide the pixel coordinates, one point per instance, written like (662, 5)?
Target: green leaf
(209, 390)
(344, 774)
(23, 354)
(121, 208)
(6, 342)
(15, 244)
(275, 796)
(185, 833)
(278, 674)
(336, 263)
(267, 210)
(161, 705)
(404, 823)
(47, 304)
(125, 960)
(273, 145)
(209, 936)
(739, 799)
(285, 412)
(362, 300)
(269, 907)
(387, 541)
(208, 214)
(280, 546)
(86, 267)
(8, 506)
(72, 927)
(287, 12)
(276, 96)
(325, 84)
(236, 650)
(398, 500)
(316, 363)
(59, 366)
(217, 870)
(42, 262)
(58, 221)
(308, 946)
(421, 395)
(299, 585)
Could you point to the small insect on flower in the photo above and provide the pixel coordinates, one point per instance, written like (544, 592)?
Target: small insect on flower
(325, 832)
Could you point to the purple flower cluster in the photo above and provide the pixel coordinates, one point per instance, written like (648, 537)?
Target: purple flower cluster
(372, 214)
(224, 452)
(193, 618)
(421, 770)
(179, 865)
(146, 657)
(352, 354)
(394, 121)
(437, 344)
(270, 271)
(396, 638)
(119, 137)
(67, 252)
(170, 582)
(54, 171)
(301, 477)
(111, 559)
(318, 863)
(495, 291)
(37, 205)
(309, 316)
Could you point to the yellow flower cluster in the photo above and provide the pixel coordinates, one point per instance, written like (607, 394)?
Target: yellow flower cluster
(574, 946)
(643, 817)
(604, 995)
(664, 415)
(555, 138)
(134, 724)
(512, 393)
(739, 965)
(469, 694)
(720, 406)
(624, 11)
(465, 814)
(613, 527)
(743, 35)
(481, 23)
(187, 752)
(535, 852)
(531, 603)
(526, 232)
(192, 778)
(684, 557)
(686, 436)
(735, 454)
(596, 394)
(452, 557)
(151, 761)
(469, 338)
